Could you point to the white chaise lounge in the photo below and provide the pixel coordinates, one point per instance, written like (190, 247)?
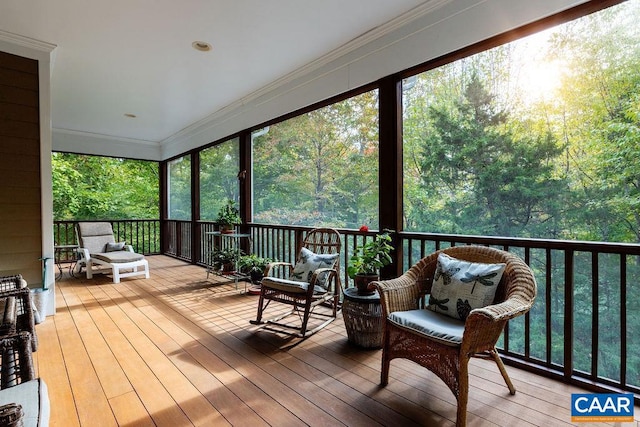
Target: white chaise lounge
(98, 247)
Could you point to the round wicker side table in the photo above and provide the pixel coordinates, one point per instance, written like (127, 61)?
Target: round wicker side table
(362, 318)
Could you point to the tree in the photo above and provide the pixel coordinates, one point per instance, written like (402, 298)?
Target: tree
(218, 177)
(179, 183)
(483, 174)
(600, 106)
(320, 167)
(92, 187)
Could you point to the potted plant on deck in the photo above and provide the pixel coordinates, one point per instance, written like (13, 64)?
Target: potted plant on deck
(364, 265)
(254, 266)
(224, 260)
(228, 217)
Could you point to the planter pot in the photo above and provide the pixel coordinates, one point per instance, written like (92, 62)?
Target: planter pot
(227, 229)
(362, 282)
(256, 276)
(228, 267)
(40, 301)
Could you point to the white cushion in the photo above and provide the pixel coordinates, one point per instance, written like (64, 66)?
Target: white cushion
(440, 328)
(96, 244)
(308, 262)
(460, 286)
(293, 286)
(34, 398)
(94, 236)
(118, 257)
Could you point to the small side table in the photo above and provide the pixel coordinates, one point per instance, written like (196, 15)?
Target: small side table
(362, 318)
(59, 250)
(235, 243)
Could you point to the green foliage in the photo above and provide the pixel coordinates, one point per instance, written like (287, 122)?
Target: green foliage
(253, 263)
(222, 256)
(180, 188)
(488, 153)
(91, 187)
(368, 258)
(320, 168)
(228, 214)
(478, 174)
(218, 177)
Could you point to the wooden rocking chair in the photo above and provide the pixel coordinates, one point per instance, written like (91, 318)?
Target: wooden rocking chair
(313, 281)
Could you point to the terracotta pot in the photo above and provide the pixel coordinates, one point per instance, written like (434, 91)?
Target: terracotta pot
(362, 282)
(229, 267)
(226, 229)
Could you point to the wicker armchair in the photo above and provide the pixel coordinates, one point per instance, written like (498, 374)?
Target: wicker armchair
(304, 294)
(14, 290)
(480, 331)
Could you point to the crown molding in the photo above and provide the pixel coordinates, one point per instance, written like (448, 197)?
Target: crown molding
(90, 135)
(27, 44)
(71, 141)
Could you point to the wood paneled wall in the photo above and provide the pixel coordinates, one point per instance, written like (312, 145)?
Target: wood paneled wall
(20, 184)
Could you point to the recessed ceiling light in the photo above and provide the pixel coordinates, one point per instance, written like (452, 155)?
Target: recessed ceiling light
(201, 46)
(131, 116)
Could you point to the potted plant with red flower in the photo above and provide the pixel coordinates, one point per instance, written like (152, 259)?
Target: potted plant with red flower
(366, 261)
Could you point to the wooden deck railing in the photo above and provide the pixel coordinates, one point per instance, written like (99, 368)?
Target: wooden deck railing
(142, 234)
(581, 328)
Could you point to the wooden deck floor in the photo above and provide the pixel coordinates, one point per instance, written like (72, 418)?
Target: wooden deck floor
(178, 350)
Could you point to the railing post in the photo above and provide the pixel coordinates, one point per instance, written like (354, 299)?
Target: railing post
(569, 257)
(299, 240)
(195, 208)
(178, 239)
(623, 320)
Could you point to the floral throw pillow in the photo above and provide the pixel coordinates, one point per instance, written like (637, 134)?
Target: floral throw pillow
(309, 262)
(460, 286)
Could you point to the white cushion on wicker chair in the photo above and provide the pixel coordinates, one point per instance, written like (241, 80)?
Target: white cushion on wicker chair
(444, 329)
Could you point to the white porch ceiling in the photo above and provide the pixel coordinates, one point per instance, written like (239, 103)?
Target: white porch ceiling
(122, 57)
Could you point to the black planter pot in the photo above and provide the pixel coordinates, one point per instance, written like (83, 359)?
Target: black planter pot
(362, 282)
(256, 276)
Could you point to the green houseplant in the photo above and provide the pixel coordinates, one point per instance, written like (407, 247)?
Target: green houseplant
(225, 259)
(366, 261)
(228, 216)
(253, 265)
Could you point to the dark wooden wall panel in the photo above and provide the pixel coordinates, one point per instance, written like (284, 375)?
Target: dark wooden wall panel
(19, 112)
(20, 186)
(14, 146)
